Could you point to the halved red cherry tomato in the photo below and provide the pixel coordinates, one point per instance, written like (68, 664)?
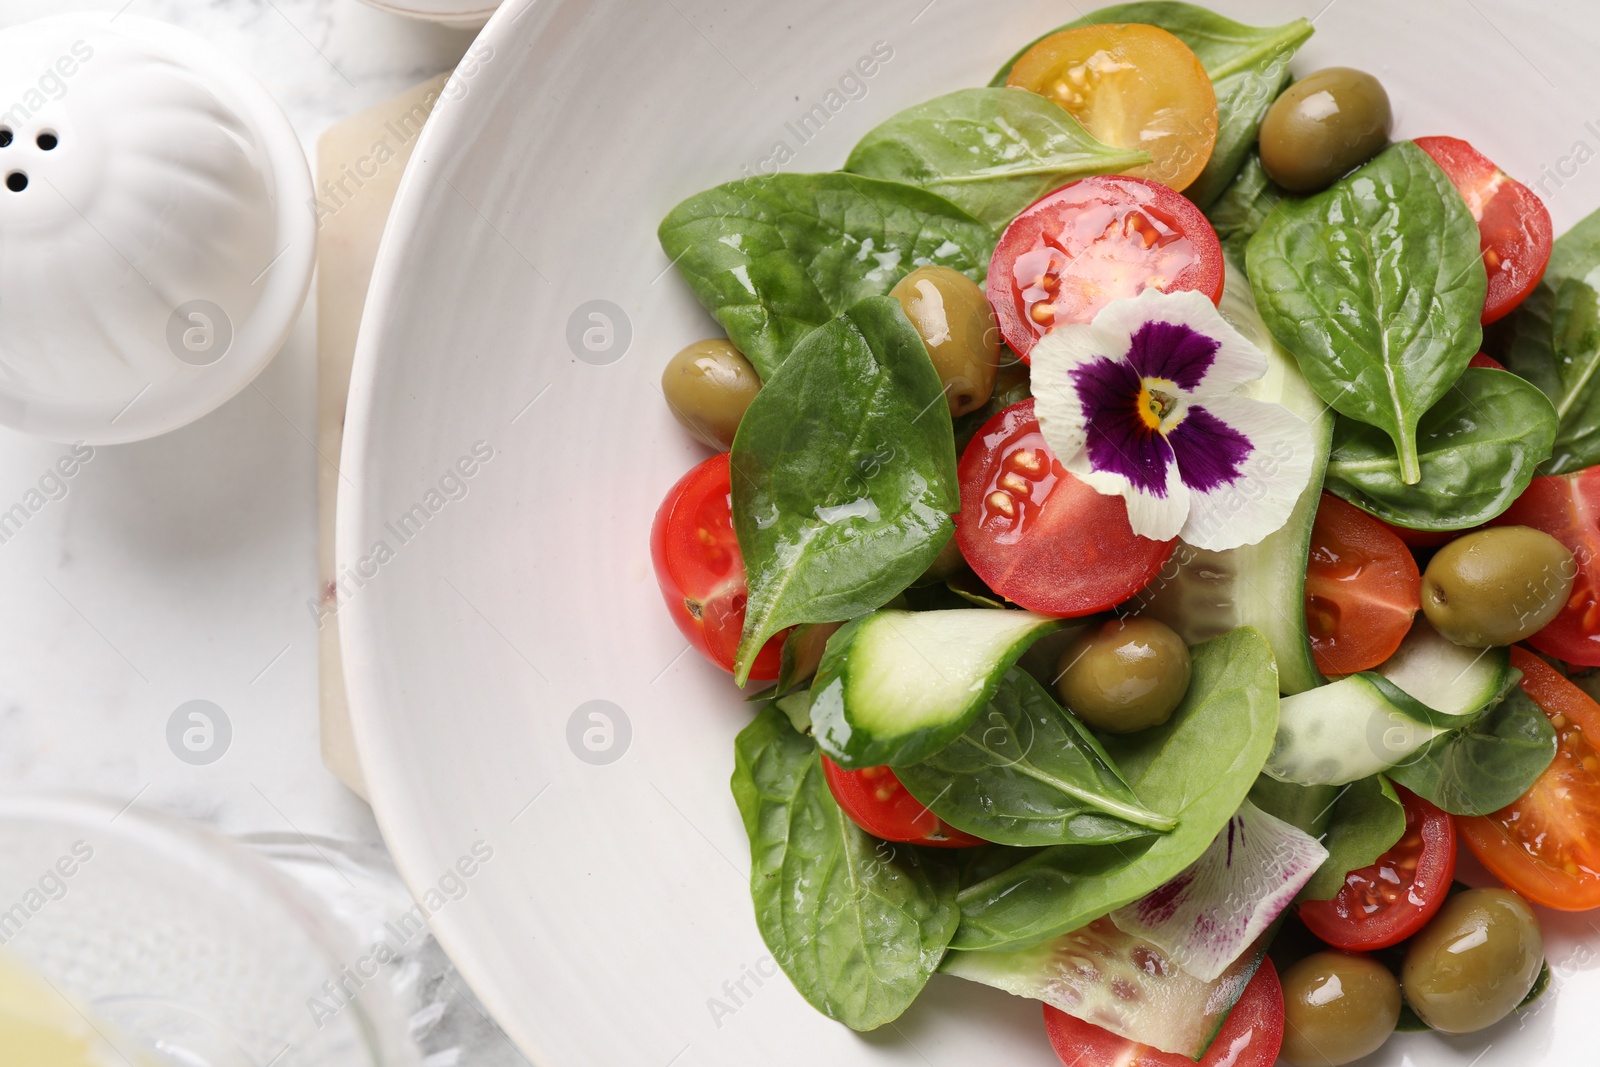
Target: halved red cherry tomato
(1422, 538)
(1092, 242)
(1386, 903)
(1250, 1037)
(1487, 362)
(1040, 537)
(1362, 589)
(701, 570)
(1567, 508)
(1513, 224)
(876, 801)
(1546, 845)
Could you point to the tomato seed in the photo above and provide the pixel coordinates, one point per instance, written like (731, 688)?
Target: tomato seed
(1015, 483)
(1026, 461)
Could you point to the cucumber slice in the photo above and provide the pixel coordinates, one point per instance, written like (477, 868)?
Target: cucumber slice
(1445, 676)
(894, 687)
(1119, 982)
(1369, 722)
(1204, 594)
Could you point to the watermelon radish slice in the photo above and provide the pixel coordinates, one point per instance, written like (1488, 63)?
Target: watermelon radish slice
(1119, 982)
(1214, 910)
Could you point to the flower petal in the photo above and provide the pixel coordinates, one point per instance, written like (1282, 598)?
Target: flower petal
(1116, 438)
(1158, 517)
(1235, 360)
(1056, 402)
(1174, 351)
(1209, 451)
(1233, 468)
(1258, 499)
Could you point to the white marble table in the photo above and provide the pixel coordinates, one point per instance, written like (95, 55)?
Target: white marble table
(180, 569)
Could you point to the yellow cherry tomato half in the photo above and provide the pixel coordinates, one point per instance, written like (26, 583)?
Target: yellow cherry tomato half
(1134, 87)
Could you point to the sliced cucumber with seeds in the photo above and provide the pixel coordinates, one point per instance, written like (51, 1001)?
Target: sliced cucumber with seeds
(1203, 594)
(1372, 721)
(894, 687)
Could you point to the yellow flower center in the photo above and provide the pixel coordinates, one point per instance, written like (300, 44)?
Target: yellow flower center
(1157, 400)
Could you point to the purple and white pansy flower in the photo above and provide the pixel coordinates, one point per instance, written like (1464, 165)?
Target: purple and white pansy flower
(1151, 402)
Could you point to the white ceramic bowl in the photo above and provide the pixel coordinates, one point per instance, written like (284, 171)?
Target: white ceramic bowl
(484, 613)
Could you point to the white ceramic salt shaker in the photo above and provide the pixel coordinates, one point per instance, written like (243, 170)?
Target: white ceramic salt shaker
(157, 232)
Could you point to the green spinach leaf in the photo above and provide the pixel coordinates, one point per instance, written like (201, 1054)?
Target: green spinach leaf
(991, 152)
(802, 651)
(1366, 821)
(1028, 773)
(796, 707)
(1484, 766)
(1479, 447)
(1243, 206)
(844, 475)
(1305, 807)
(778, 256)
(856, 923)
(1377, 287)
(1197, 768)
(1249, 66)
(1553, 340)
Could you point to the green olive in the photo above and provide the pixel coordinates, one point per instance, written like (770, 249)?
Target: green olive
(958, 327)
(1474, 962)
(1497, 586)
(1124, 675)
(709, 385)
(1324, 126)
(1337, 1007)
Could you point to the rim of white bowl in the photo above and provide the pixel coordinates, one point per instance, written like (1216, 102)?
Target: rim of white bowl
(448, 129)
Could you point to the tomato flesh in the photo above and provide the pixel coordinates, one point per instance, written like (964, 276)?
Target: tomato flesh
(701, 570)
(1251, 1036)
(1567, 507)
(1037, 535)
(1513, 224)
(876, 801)
(1094, 241)
(1422, 538)
(1132, 86)
(1385, 903)
(1546, 844)
(1362, 589)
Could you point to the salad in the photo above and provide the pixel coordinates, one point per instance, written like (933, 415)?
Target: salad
(1156, 517)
